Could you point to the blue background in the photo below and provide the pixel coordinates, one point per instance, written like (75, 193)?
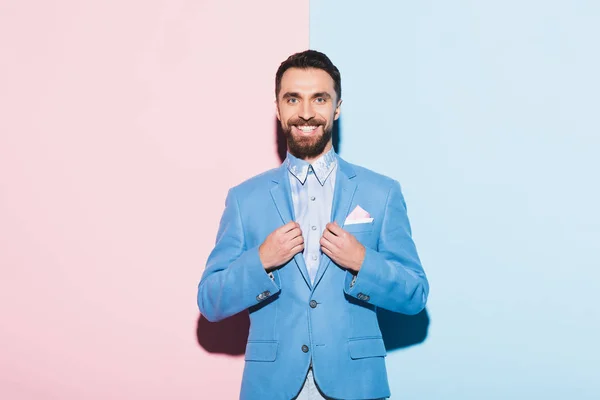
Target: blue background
(487, 113)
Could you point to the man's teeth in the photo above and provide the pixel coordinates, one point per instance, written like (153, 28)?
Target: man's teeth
(307, 128)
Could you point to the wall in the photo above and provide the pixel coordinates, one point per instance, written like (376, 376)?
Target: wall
(122, 124)
(487, 113)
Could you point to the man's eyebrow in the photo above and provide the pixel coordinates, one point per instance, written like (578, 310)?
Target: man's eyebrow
(322, 94)
(287, 95)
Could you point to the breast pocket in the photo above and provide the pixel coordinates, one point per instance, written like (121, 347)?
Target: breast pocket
(357, 228)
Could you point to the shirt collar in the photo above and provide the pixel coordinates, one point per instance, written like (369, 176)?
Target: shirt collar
(321, 167)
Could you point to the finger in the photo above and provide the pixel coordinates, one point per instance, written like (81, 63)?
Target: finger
(330, 254)
(293, 234)
(296, 241)
(326, 244)
(327, 252)
(335, 229)
(327, 234)
(297, 249)
(288, 227)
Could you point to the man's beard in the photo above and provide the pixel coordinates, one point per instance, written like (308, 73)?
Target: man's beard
(307, 146)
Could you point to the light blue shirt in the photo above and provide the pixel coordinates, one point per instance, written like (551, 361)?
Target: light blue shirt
(312, 187)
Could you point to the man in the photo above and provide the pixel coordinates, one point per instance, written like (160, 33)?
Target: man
(311, 249)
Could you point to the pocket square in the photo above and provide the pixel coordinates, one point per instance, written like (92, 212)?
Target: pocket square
(358, 216)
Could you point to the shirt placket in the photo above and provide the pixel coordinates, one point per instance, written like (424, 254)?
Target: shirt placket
(313, 240)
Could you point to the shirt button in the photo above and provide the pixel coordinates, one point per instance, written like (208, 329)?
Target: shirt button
(313, 304)
(314, 228)
(314, 257)
(312, 198)
(305, 348)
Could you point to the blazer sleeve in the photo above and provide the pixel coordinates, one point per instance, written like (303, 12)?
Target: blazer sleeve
(392, 277)
(234, 278)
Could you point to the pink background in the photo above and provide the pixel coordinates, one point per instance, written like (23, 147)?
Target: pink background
(122, 125)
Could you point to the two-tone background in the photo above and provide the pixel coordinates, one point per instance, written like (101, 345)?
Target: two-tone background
(123, 124)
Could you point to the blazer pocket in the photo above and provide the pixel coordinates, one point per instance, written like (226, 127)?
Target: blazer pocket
(264, 350)
(366, 347)
(355, 228)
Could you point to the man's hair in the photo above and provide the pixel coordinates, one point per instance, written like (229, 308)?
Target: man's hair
(310, 59)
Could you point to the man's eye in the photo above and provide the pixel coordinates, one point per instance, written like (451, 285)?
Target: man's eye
(320, 100)
(292, 100)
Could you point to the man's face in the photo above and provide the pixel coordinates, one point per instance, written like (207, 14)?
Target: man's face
(306, 107)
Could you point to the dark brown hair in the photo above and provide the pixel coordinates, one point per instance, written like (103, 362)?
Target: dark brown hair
(310, 59)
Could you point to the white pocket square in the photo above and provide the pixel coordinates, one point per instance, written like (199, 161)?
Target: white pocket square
(358, 221)
(358, 216)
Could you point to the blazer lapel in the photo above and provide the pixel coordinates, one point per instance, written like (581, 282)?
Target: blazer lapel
(283, 202)
(342, 199)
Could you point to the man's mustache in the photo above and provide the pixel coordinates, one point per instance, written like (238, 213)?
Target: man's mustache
(304, 122)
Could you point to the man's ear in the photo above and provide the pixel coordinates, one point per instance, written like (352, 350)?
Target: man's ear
(336, 115)
(277, 110)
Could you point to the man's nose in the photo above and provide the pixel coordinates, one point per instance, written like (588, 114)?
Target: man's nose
(306, 112)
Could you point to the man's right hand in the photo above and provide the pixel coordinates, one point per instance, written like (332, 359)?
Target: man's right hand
(281, 245)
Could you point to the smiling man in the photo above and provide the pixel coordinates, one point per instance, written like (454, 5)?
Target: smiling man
(311, 249)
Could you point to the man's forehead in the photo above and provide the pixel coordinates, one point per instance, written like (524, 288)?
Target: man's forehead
(307, 80)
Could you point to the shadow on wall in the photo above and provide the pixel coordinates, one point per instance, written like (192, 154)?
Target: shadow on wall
(230, 335)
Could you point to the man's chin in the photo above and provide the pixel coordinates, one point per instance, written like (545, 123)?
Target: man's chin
(303, 141)
(307, 149)
(305, 146)
(306, 141)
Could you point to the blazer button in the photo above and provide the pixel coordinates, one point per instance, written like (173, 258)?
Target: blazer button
(313, 304)
(363, 297)
(305, 348)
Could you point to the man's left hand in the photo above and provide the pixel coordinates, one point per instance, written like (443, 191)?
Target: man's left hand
(342, 247)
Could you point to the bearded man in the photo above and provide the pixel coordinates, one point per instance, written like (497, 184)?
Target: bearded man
(311, 249)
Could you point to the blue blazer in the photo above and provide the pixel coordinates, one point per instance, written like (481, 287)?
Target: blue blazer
(331, 323)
